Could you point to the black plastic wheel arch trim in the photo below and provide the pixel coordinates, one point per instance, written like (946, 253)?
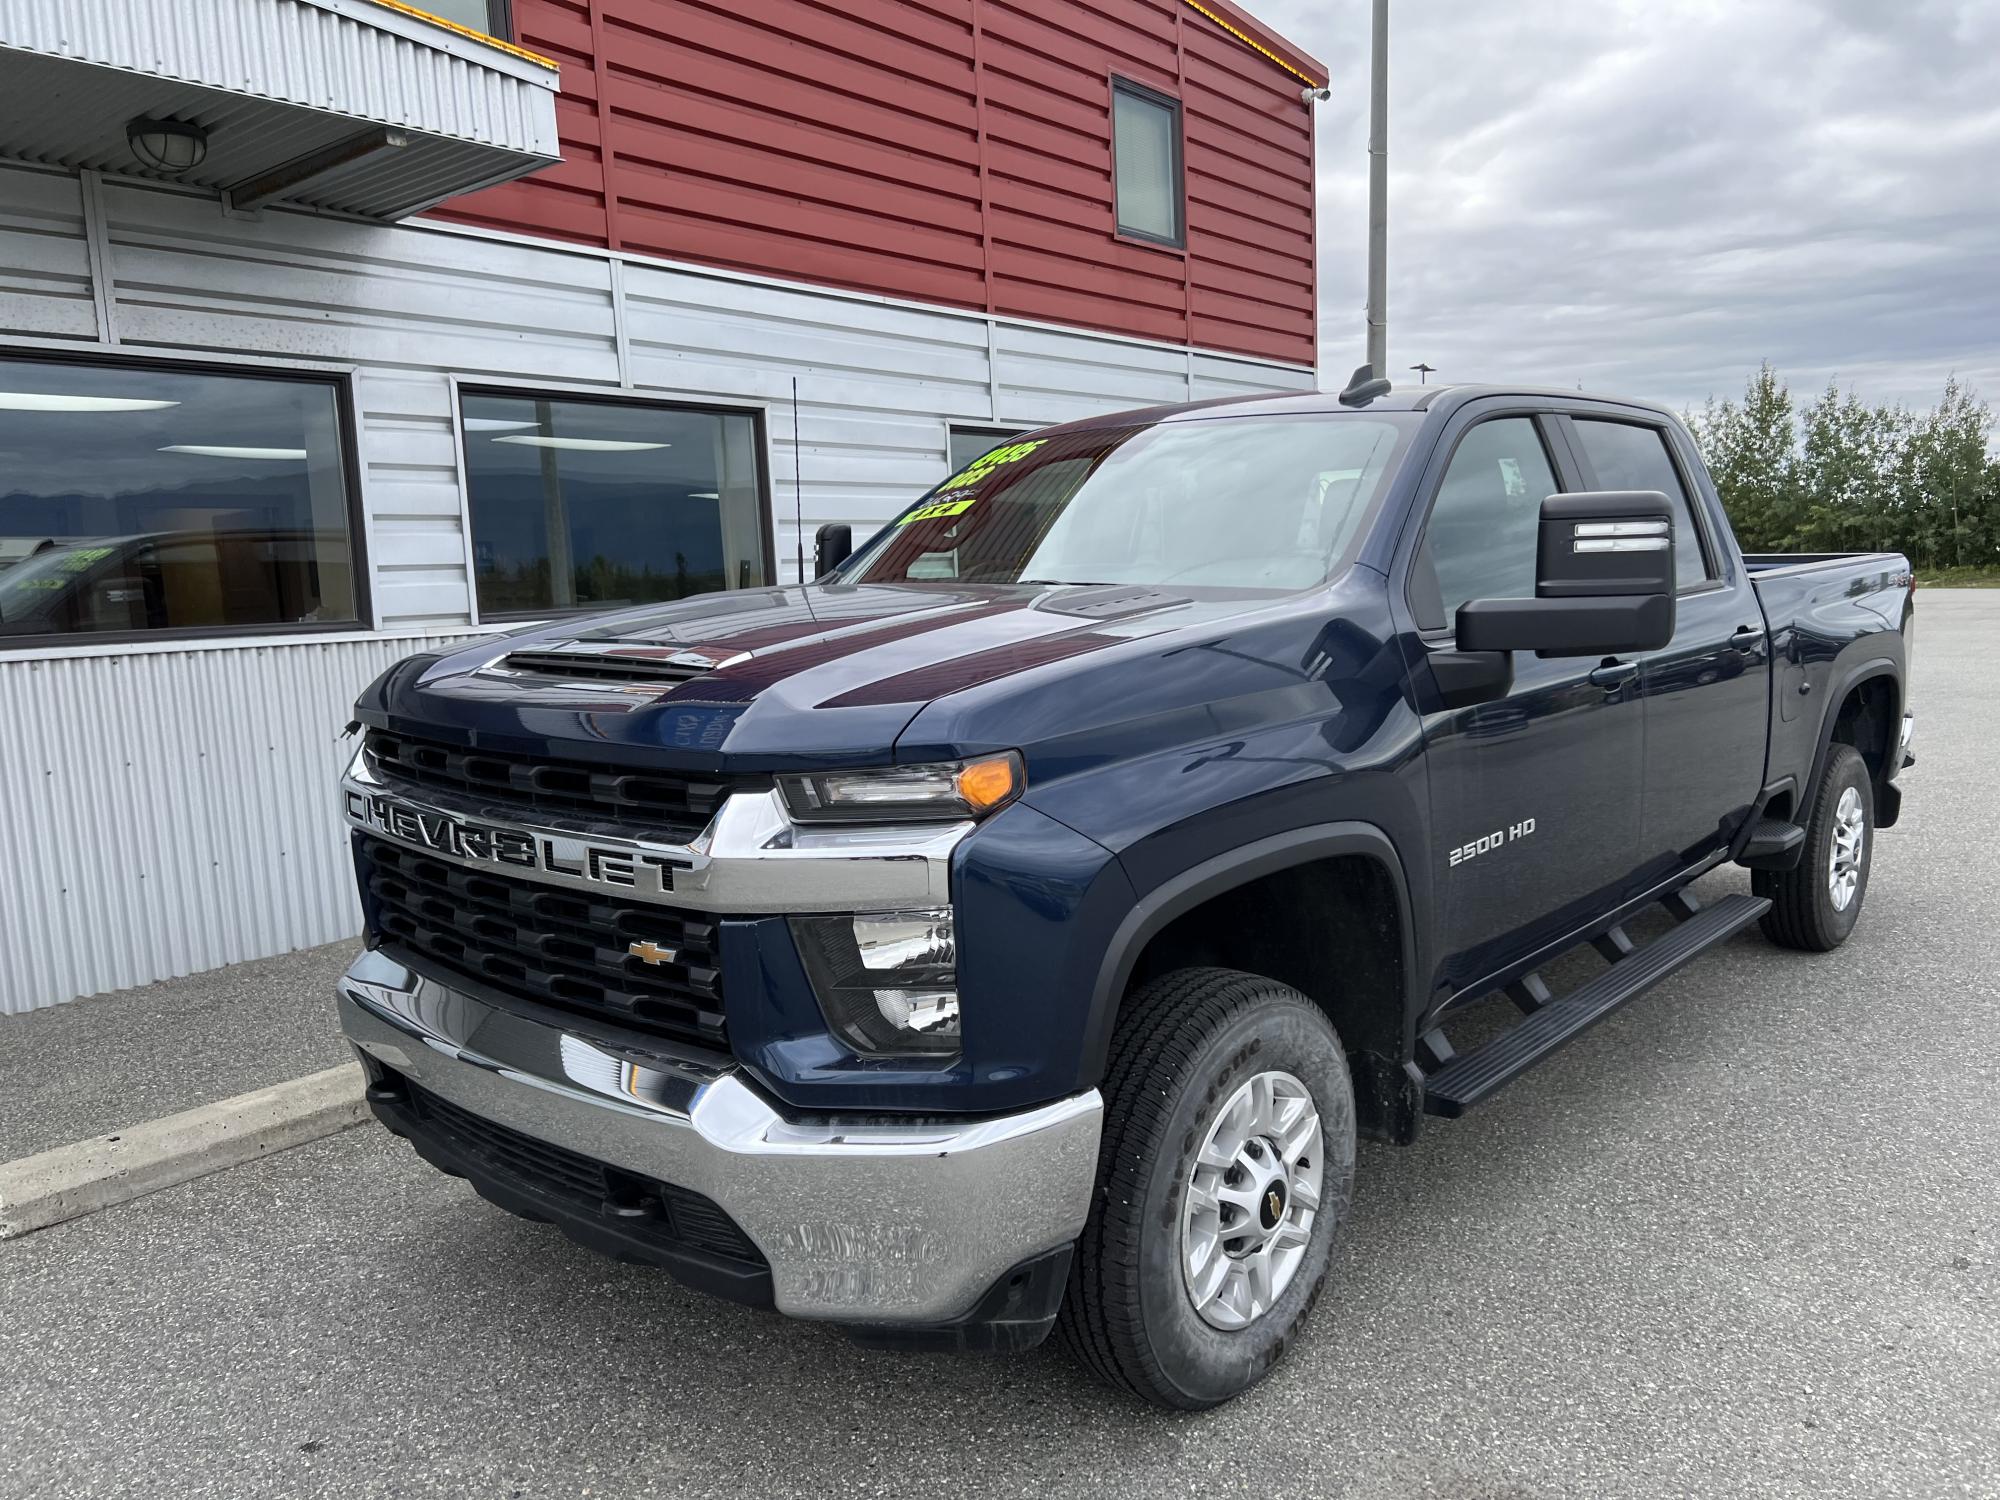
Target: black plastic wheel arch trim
(1202, 882)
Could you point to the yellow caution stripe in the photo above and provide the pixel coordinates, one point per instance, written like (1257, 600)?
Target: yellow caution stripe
(466, 31)
(1255, 45)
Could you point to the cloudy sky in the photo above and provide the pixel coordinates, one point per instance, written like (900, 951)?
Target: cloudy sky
(1651, 196)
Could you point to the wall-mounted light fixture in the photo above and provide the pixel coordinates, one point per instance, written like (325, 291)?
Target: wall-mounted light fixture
(171, 146)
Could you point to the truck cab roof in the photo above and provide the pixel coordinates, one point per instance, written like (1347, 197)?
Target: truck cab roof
(1440, 400)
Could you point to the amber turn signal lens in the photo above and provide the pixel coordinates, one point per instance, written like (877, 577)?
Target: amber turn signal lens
(987, 784)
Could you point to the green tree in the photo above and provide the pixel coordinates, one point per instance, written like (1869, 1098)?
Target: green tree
(1849, 456)
(1845, 476)
(1945, 480)
(1751, 454)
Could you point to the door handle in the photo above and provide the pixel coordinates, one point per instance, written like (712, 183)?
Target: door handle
(1748, 639)
(1613, 675)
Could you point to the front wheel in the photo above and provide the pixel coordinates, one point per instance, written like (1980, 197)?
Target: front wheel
(1225, 1171)
(1815, 904)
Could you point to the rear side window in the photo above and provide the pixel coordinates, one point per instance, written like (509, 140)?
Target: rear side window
(1486, 521)
(1625, 456)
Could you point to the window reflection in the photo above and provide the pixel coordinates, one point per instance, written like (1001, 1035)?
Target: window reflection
(1630, 457)
(148, 499)
(595, 504)
(1485, 526)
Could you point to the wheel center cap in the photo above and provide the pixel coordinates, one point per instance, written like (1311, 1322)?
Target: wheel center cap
(1271, 1206)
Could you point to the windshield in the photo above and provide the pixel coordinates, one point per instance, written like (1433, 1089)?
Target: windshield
(1235, 502)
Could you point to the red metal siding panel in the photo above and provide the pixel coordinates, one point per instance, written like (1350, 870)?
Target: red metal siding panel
(954, 151)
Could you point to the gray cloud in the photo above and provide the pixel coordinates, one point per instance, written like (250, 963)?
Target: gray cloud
(1650, 198)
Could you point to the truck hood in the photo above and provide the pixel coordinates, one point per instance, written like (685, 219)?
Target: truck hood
(772, 678)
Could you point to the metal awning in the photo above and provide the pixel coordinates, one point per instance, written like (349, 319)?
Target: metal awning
(366, 107)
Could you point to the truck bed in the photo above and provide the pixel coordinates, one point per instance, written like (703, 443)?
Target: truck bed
(1763, 564)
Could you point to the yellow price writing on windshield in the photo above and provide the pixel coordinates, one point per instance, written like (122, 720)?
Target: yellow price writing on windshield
(952, 499)
(986, 463)
(949, 505)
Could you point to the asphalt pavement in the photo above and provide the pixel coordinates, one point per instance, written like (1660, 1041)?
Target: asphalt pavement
(1741, 1240)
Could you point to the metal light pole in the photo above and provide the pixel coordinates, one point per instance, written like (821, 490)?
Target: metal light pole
(1378, 193)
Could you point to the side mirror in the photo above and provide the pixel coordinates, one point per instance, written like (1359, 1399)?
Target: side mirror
(1604, 582)
(833, 544)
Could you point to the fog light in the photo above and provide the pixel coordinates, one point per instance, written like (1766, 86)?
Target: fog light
(886, 981)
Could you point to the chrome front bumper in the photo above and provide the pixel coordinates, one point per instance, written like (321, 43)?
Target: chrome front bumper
(861, 1222)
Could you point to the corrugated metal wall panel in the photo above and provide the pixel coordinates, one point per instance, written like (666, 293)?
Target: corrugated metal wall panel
(1216, 376)
(319, 288)
(366, 62)
(44, 257)
(953, 150)
(171, 811)
(1047, 376)
(273, 81)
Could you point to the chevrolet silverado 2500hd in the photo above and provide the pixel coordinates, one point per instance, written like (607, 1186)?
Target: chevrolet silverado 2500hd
(1016, 928)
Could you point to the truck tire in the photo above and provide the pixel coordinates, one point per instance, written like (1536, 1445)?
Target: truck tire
(1227, 1104)
(1815, 904)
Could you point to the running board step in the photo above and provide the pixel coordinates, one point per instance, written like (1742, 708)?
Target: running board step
(1466, 1079)
(1773, 844)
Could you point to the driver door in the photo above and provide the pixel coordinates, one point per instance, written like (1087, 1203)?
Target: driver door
(1535, 795)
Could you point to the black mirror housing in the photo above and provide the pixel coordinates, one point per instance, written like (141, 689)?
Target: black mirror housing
(833, 544)
(1611, 542)
(1604, 581)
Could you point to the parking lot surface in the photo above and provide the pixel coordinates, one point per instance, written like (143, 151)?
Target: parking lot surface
(1741, 1240)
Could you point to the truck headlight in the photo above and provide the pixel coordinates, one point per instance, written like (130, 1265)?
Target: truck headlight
(887, 981)
(929, 793)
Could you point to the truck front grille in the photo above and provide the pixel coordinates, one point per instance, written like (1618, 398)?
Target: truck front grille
(660, 803)
(569, 949)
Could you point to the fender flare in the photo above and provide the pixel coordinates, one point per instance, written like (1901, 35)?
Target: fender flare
(1837, 693)
(1182, 893)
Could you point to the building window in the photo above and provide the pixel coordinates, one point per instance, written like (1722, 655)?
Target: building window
(1146, 161)
(139, 498)
(582, 504)
(488, 16)
(970, 444)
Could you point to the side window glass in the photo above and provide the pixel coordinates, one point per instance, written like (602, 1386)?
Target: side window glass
(1626, 456)
(1486, 521)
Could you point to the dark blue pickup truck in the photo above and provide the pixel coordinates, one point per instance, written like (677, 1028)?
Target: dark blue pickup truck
(1016, 928)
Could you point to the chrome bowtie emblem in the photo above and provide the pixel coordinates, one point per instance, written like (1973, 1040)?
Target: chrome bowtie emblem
(651, 952)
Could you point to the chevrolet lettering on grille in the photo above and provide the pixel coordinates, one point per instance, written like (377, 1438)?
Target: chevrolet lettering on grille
(567, 859)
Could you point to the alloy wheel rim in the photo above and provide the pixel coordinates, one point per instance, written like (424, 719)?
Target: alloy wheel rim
(1850, 847)
(1253, 1195)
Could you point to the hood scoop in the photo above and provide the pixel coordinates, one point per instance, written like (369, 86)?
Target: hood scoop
(631, 668)
(1111, 601)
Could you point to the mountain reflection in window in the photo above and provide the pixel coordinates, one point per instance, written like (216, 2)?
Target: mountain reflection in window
(583, 504)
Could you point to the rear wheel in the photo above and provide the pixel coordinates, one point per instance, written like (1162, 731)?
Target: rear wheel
(1815, 904)
(1225, 1170)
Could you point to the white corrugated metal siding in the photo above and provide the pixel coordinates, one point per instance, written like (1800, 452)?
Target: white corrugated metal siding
(167, 812)
(219, 840)
(358, 60)
(272, 80)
